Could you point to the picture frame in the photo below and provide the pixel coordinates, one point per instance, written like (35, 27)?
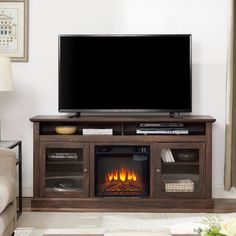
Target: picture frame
(14, 26)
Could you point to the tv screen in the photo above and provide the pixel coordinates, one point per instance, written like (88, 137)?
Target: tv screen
(125, 73)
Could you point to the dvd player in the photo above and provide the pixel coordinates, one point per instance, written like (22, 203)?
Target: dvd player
(162, 125)
(162, 131)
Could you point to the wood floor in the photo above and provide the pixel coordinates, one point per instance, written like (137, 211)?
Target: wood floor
(220, 206)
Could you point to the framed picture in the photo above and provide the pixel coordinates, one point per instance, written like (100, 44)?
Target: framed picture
(14, 27)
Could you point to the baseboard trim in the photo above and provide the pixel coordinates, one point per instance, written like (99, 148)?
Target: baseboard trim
(217, 191)
(27, 191)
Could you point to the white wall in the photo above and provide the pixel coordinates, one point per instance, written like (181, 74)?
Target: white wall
(36, 81)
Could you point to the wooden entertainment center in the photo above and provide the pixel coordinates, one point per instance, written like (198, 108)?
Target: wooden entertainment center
(68, 168)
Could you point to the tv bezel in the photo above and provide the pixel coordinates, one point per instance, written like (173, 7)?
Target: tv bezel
(125, 110)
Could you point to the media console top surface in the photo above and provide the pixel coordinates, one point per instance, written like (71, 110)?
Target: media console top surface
(124, 119)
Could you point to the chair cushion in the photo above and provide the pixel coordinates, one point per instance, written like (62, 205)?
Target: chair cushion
(7, 192)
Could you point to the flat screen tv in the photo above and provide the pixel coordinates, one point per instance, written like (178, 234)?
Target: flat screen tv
(125, 73)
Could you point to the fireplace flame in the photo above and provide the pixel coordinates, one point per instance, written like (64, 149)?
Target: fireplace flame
(122, 174)
(110, 176)
(115, 177)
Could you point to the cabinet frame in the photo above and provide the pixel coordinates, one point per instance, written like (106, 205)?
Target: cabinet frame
(202, 170)
(65, 145)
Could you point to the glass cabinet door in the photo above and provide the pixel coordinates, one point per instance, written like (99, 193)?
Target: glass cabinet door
(181, 170)
(65, 169)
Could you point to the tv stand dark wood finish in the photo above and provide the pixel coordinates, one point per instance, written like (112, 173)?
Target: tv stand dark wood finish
(57, 186)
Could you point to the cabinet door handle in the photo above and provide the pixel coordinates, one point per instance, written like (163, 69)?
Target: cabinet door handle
(85, 170)
(158, 170)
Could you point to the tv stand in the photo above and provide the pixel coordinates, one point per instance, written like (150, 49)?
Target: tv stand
(76, 115)
(179, 169)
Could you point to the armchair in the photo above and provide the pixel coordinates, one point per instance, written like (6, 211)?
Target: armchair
(7, 192)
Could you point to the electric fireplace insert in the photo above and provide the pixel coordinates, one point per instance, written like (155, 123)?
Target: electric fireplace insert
(122, 171)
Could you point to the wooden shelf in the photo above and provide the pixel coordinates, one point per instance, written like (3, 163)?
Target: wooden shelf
(184, 163)
(65, 177)
(64, 189)
(57, 162)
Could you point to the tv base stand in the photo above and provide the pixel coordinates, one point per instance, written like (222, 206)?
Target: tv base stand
(175, 115)
(159, 171)
(76, 115)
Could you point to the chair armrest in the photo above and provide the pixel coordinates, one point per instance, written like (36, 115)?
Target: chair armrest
(7, 163)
